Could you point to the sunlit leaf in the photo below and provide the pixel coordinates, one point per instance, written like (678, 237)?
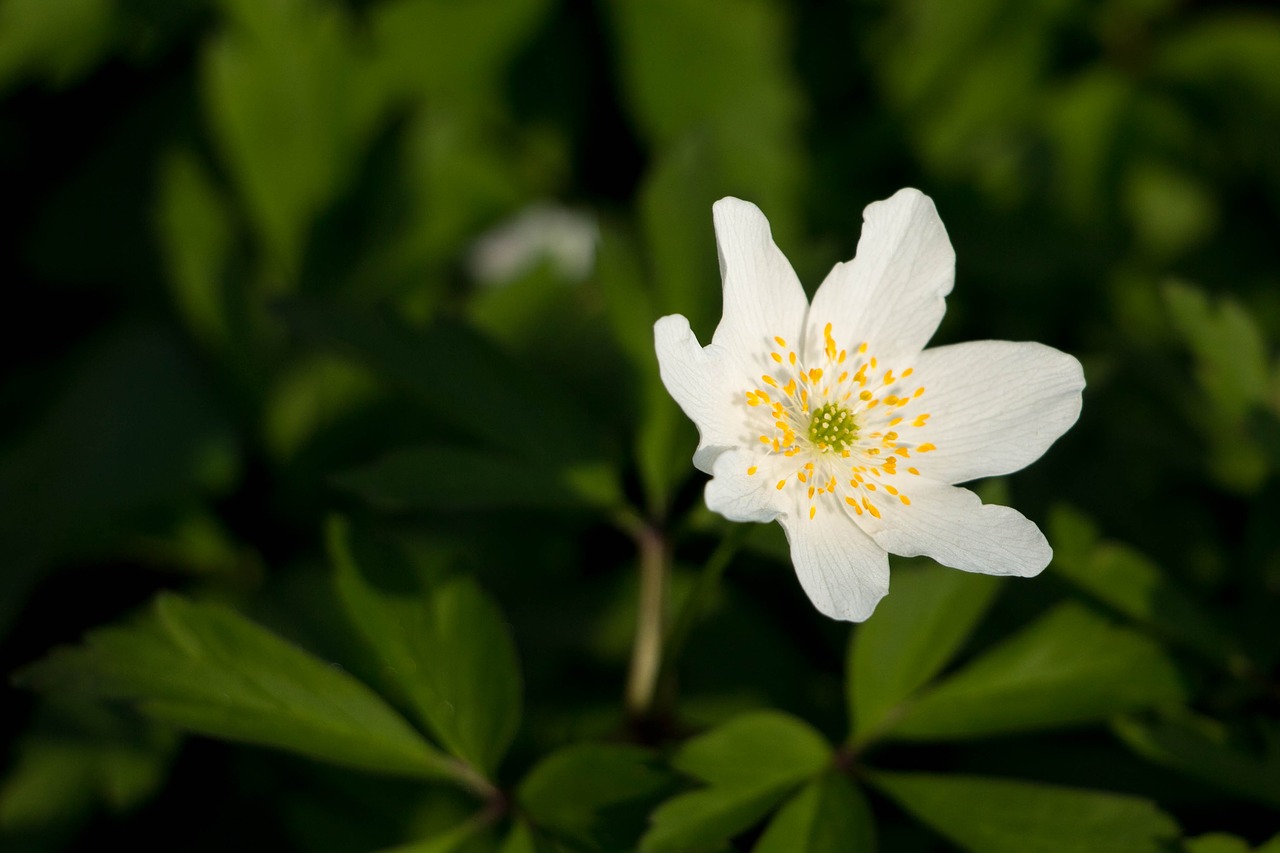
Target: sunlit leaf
(750, 764)
(916, 632)
(207, 669)
(1072, 666)
(1004, 816)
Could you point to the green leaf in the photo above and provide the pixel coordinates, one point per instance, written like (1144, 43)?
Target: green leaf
(1001, 816)
(750, 763)
(916, 632)
(1127, 581)
(755, 747)
(1203, 748)
(1230, 350)
(207, 669)
(449, 841)
(447, 50)
(448, 362)
(1217, 842)
(455, 478)
(291, 107)
(447, 649)
(739, 100)
(56, 39)
(829, 815)
(196, 236)
(80, 757)
(704, 820)
(1070, 667)
(594, 794)
(522, 839)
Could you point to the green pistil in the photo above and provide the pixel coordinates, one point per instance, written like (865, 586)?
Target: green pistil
(833, 426)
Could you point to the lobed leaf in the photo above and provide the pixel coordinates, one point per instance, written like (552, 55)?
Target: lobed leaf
(449, 651)
(1070, 667)
(207, 669)
(829, 815)
(917, 631)
(1003, 816)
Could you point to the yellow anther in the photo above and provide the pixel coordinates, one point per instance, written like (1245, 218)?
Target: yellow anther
(901, 450)
(862, 347)
(808, 466)
(764, 395)
(871, 508)
(815, 374)
(918, 391)
(890, 489)
(888, 377)
(781, 341)
(813, 510)
(764, 439)
(769, 380)
(908, 372)
(826, 332)
(801, 476)
(791, 357)
(891, 400)
(926, 447)
(781, 483)
(891, 436)
(776, 446)
(875, 451)
(871, 487)
(790, 387)
(854, 503)
(895, 422)
(751, 472)
(919, 421)
(873, 362)
(843, 356)
(843, 376)
(913, 471)
(905, 500)
(775, 357)
(865, 395)
(811, 493)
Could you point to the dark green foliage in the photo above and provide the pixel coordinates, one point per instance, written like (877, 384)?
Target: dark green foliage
(322, 498)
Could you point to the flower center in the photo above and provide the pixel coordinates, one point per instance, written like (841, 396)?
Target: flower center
(847, 418)
(832, 427)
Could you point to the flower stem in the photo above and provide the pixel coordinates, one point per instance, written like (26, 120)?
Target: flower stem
(646, 654)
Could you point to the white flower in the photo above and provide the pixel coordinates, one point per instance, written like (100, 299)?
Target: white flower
(834, 420)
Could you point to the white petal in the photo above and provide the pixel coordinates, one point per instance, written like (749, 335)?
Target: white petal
(891, 295)
(740, 496)
(762, 296)
(842, 569)
(952, 526)
(994, 406)
(696, 379)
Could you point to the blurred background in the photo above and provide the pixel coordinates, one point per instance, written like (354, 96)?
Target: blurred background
(270, 262)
